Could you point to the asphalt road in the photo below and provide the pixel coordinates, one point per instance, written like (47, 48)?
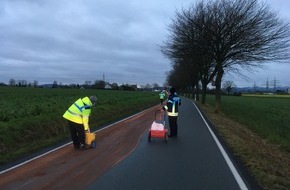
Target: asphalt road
(125, 160)
(194, 160)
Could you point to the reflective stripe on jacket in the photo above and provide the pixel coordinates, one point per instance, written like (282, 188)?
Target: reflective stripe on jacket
(79, 112)
(172, 105)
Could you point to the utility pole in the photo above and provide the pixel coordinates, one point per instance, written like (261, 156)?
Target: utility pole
(267, 85)
(275, 83)
(255, 87)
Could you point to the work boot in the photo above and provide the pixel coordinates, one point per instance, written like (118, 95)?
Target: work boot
(76, 147)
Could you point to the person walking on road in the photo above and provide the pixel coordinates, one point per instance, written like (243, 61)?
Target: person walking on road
(78, 118)
(161, 96)
(172, 104)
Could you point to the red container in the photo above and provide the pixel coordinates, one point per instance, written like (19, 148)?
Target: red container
(157, 130)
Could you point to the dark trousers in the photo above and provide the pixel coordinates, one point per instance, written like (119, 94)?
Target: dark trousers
(77, 134)
(161, 101)
(173, 125)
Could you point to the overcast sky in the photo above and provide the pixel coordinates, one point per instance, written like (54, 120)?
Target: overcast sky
(73, 41)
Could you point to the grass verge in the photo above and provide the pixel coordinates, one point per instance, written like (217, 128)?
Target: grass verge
(266, 161)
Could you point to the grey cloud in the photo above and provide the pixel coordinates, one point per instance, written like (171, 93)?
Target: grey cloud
(72, 41)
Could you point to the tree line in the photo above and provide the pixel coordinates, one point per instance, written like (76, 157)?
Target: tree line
(210, 38)
(97, 84)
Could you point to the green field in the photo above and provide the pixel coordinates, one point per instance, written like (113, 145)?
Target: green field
(31, 118)
(267, 115)
(267, 95)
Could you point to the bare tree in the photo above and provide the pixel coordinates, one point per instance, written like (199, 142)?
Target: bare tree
(244, 33)
(100, 84)
(87, 84)
(22, 83)
(228, 86)
(193, 61)
(181, 49)
(35, 83)
(12, 82)
(148, 87)
(226, 36)
(155, 86)
(54, 84)
(115, 86)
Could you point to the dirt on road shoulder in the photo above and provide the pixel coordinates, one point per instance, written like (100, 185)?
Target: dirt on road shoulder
(67, 168)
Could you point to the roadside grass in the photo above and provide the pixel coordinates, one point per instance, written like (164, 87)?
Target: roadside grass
(255, 129)
(31, 118)
(267, 95)
(267, 116)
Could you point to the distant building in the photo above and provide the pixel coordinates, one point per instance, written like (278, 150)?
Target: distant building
(46, 86)
(108, 86)
(134, 86)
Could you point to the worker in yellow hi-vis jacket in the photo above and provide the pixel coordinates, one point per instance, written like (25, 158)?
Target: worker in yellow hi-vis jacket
(162, 97)
(78, 117)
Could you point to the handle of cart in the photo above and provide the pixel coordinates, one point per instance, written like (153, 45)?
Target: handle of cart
(161, 114)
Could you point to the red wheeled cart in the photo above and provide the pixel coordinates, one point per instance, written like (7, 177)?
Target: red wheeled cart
(157, 129)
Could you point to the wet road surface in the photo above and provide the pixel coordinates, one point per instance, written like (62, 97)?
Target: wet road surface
(191, 161)
(124, 159)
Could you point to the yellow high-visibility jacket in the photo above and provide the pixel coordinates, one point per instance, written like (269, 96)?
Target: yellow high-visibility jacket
(161, 95)
(79, 112)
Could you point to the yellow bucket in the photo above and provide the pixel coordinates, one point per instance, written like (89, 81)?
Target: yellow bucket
(91, 139)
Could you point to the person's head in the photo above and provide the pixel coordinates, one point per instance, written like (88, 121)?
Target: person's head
(93, 100)
(90, 101)
(172, 90)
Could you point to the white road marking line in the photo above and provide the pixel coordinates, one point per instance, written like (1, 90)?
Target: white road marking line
(234, 171)
(39, 156)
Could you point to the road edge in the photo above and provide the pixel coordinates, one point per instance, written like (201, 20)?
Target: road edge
(248, 179)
